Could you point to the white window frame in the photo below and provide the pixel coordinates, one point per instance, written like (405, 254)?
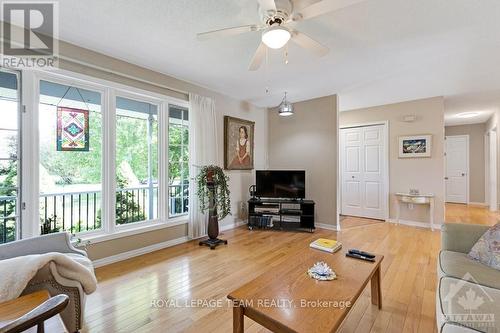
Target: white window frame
(109, 91)
(19, 150)
(177, 216)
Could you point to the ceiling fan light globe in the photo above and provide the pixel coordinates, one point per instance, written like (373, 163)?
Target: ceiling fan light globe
(276, 37)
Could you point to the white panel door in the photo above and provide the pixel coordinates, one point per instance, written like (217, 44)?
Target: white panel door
(363, 169)
(457, 168)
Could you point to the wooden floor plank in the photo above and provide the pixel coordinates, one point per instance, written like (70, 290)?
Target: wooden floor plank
(123, 301)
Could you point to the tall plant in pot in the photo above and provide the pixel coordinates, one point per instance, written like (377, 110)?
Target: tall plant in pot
(213, 195)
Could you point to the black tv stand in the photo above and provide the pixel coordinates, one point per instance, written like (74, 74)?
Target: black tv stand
(288, 213)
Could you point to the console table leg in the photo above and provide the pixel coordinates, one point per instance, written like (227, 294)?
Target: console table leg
(238, 319)
(376, 288)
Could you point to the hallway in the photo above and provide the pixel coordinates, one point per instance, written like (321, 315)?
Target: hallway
(474, 214)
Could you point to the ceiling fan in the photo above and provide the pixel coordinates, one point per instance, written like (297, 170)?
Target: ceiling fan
(276, 16)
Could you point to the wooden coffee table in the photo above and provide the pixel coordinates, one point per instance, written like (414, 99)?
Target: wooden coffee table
(286, 299)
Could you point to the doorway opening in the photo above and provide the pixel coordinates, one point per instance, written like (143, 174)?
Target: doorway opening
(471, 172)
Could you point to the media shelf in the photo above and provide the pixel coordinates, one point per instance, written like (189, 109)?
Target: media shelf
(286, 213)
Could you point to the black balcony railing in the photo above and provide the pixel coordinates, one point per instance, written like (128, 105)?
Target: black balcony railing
(70, 211)
(8, 205)
(178, 196)
(81, 211)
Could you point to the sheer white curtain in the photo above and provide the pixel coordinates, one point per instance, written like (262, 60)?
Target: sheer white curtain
(203, 150)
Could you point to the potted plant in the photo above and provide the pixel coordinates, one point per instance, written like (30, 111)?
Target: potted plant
(213, 195)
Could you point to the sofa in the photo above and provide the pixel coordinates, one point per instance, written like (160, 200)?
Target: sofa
(468, 292)
(47, 278)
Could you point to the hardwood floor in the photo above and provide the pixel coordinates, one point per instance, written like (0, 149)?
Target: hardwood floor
(123, 301)
(356, 222)
(474, 214)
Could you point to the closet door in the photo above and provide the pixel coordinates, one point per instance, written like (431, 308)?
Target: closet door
(363, 168)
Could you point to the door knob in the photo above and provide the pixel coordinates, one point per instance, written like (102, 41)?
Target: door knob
(463, 174)
(445, 178)
(352, 177)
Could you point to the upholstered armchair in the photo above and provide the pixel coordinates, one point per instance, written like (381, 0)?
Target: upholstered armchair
(48, 278)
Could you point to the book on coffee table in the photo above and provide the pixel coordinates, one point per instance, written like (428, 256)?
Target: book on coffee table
(327, 245)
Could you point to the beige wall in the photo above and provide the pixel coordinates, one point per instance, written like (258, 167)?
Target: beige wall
(493, 123)
(308, 141)
(97, 65)
(130, 243)
(476, 157)
(425, 174)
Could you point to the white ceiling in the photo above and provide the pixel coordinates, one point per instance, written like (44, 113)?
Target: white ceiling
(483, 103)
(382, 51)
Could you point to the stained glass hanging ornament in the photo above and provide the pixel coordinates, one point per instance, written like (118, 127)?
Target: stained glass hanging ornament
(72, 127)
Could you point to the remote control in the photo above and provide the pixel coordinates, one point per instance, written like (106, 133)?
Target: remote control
(357, 256)
(361, 253)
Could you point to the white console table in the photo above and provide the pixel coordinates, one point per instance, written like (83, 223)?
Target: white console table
(418, 199)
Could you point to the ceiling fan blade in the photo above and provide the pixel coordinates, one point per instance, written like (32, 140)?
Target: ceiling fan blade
(267, 5)
(308, 43)
(227, 32)
(258, 57)
(322, 7)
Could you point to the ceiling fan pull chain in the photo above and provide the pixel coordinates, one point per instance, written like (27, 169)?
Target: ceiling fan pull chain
(267, 70)
(286, 54)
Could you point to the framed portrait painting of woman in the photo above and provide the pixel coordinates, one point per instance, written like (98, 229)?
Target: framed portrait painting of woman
(238, 143)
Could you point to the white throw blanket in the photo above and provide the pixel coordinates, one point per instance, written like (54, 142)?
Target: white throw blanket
(15, 273)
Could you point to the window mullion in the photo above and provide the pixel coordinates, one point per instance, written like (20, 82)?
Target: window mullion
(109, 161)
(163, 201)
(150, 166)
(30, 185)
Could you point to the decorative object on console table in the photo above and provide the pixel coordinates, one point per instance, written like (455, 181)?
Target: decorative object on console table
(213, 194)
(238, 143)
(415, 146)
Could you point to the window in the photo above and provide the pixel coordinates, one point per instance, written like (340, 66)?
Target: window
(100, 157)
(136, 161)
(9, 156)
(178, 163)
(70, 160)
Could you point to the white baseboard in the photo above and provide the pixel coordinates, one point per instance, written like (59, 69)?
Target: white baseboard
(326, 226)
(233, 225)
(155, 247)
(417, 224)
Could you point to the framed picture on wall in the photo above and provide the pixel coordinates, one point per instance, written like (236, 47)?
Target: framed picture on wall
(238, 143)
(415, 146)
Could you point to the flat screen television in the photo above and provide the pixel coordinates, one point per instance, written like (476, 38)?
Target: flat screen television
(281, 184)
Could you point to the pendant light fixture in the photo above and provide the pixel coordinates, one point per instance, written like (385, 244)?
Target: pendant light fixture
(285, 107)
